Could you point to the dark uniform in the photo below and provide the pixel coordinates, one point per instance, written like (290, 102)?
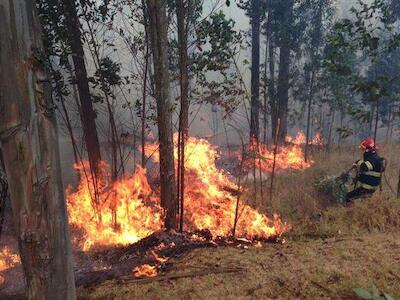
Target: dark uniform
(369, 174)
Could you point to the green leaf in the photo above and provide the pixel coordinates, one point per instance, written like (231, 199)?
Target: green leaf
(363, 294)
(388, 297)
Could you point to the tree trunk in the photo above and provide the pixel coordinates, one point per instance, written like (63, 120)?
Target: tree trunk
(283, 91)
(271, 88)
(284, 69)
(146, 71)
(159, 40)
(88, 116)
(265, 110)
(255, 70)
(31, 155)
(181, 14)
(308, 133)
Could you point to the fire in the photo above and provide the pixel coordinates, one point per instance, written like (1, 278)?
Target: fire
(8, 259)
(145, 271)
(208, 202)
(288, 157)
(318, 140)
(299, 139)
(127, 210)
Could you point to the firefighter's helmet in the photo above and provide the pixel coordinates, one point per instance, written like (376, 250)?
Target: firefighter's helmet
(368, 145)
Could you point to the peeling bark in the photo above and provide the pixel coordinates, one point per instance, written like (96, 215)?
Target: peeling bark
(30, 149)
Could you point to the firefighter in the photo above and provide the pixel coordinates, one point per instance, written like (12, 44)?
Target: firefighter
(369, 171)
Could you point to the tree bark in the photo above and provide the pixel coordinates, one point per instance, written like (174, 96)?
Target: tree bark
(181, 14)
(308, 133)
(331, 124)
(284, 69)
(88, 116)
(146, 71)
(255, 70)
(265, 105)
(31, 155)
(159, 41)
(271, 88)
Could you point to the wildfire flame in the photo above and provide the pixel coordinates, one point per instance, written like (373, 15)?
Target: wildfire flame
(8, 259)
(124, 213)
(288, 157)
(127, 210)
(208, 202)
(145, 271)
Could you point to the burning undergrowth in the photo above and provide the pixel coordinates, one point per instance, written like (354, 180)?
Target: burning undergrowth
(288, 157)
(127, 210)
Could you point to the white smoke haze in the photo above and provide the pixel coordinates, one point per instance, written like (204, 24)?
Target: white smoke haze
(206, 120)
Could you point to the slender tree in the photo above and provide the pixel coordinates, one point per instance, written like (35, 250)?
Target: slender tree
(255, 19)
(158, 27)
(285, 43)
(88, 115)
(182, 16)
(31, 155)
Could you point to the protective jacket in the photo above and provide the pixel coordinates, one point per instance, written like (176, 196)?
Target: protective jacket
(369, 171)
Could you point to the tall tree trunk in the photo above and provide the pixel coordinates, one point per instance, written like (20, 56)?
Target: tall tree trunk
(308, 133)
(159, 40)
(265, 105)
(255, 70)
(314, 57)
(284, 68)
(181, 14)
(88, 116)
(271, 88)
(146, 71)
(283, 91)
(31, 155)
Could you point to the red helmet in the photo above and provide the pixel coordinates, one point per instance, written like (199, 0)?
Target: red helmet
(368, 145)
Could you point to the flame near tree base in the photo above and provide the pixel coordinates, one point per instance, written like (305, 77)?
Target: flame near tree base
(128, 210)
(288, 157)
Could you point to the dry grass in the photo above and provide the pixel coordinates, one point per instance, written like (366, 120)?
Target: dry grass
(331, 249)
(318, 269)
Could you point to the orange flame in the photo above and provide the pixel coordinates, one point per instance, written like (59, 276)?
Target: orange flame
(289, 157)
(145, 271)
(208, 202)
(8, 259)
(127, 211)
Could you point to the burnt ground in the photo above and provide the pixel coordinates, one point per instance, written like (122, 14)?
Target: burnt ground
(304, 269)
(117, 263)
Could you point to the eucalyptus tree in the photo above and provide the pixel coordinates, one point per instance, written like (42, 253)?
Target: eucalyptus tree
(29, 147)
(371, 34)
(158, 28)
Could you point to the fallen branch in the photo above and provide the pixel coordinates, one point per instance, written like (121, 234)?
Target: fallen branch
(183, 275)
(328, 290)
